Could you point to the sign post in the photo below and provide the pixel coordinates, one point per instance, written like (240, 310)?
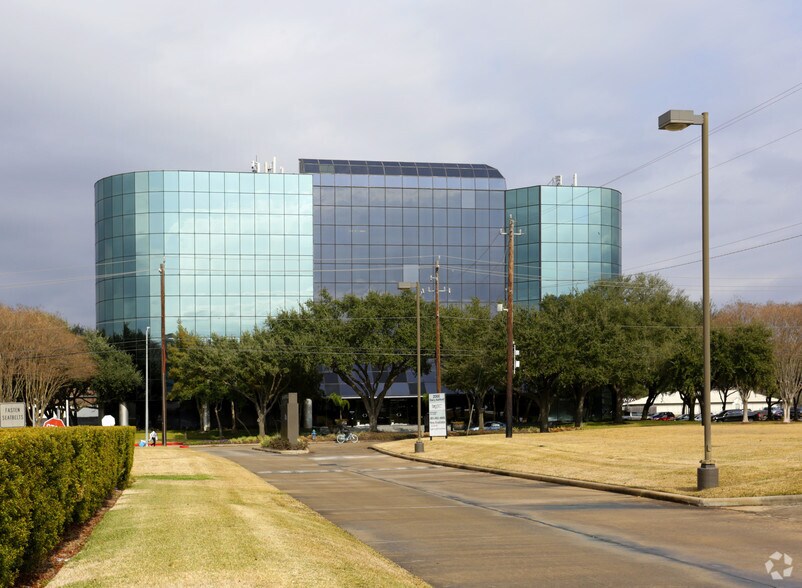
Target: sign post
(437, 415)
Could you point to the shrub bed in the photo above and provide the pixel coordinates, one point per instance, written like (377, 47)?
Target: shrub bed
(279, 444)
(51, 478)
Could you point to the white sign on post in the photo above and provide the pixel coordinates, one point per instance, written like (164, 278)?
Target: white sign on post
(437, 415)
(12, 414)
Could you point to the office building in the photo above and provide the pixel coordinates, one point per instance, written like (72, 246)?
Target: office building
(570, 237)
(239, 246)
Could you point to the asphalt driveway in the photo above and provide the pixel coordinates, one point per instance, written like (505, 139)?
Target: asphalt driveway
(459, 528)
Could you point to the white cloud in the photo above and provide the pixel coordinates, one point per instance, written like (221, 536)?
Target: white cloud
(535, 89)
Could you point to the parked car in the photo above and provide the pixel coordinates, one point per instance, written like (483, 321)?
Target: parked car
(663, 416)
(764, 415)
(734, 415)
(491, 426)
(683, 417)
(779, 412)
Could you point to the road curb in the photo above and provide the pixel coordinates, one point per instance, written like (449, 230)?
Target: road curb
(640, 492)
(281, 451)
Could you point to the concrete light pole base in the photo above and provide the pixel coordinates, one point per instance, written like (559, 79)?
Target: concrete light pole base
(706, 476)
(418, 446)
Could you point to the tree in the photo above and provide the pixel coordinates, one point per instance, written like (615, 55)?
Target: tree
(687, 369)
(755, 361)
(537, 335)
(784, 321)
(41, 357)
(116, 376)
(474, 349)
(581, 335)
(723, 362)
(368, 342)
(339, 402)
(11, 347)
(646, 317)
(259, 366)
(200, 371)
(590, 340)
(264, 370)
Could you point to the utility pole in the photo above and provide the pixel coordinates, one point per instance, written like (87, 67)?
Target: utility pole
(510, 346)
(437, 291)
(164, 362)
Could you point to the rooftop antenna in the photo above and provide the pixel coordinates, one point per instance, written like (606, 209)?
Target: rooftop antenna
(256, 167)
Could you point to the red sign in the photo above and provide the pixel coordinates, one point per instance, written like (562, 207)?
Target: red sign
(54, 422)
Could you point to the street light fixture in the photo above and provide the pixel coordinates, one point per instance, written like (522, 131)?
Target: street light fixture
(409, 286)
(677, 120)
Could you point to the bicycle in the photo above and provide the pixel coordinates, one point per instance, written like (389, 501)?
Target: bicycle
(345, 436)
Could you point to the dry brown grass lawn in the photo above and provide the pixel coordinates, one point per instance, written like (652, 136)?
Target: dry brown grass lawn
(192, 519)
(755, 459)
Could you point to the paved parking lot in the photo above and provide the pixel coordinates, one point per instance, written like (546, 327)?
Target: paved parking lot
(460, 528)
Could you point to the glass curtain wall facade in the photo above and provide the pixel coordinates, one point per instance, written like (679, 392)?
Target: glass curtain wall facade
(379, 223)
(237, 247)
(571, 238)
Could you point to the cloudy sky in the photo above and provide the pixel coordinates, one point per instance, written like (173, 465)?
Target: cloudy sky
(536, 89)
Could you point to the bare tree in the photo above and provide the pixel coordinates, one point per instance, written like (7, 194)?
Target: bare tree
(39, 355)
(10, 327)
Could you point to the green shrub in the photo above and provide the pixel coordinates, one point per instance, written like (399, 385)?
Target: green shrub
(51, 478)
(243, 440)
(280, 444)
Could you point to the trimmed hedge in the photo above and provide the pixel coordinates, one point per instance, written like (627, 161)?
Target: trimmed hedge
(51, 478)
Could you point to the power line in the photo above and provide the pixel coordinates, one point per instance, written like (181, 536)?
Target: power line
(726, 124)
(698, 251)
(726, 254)
(738, 118)
(749, 152)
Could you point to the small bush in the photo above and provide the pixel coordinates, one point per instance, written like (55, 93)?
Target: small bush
(244, 440)
(51, 478)
(280, 444)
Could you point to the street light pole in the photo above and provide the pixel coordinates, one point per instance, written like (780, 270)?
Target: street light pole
(407, 286)
(438, 386)
(676, 120)
(147, 379)
(164, 363)
(419, 442)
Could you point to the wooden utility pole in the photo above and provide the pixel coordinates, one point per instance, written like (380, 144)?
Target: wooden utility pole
(164, 362)
(510, 347)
